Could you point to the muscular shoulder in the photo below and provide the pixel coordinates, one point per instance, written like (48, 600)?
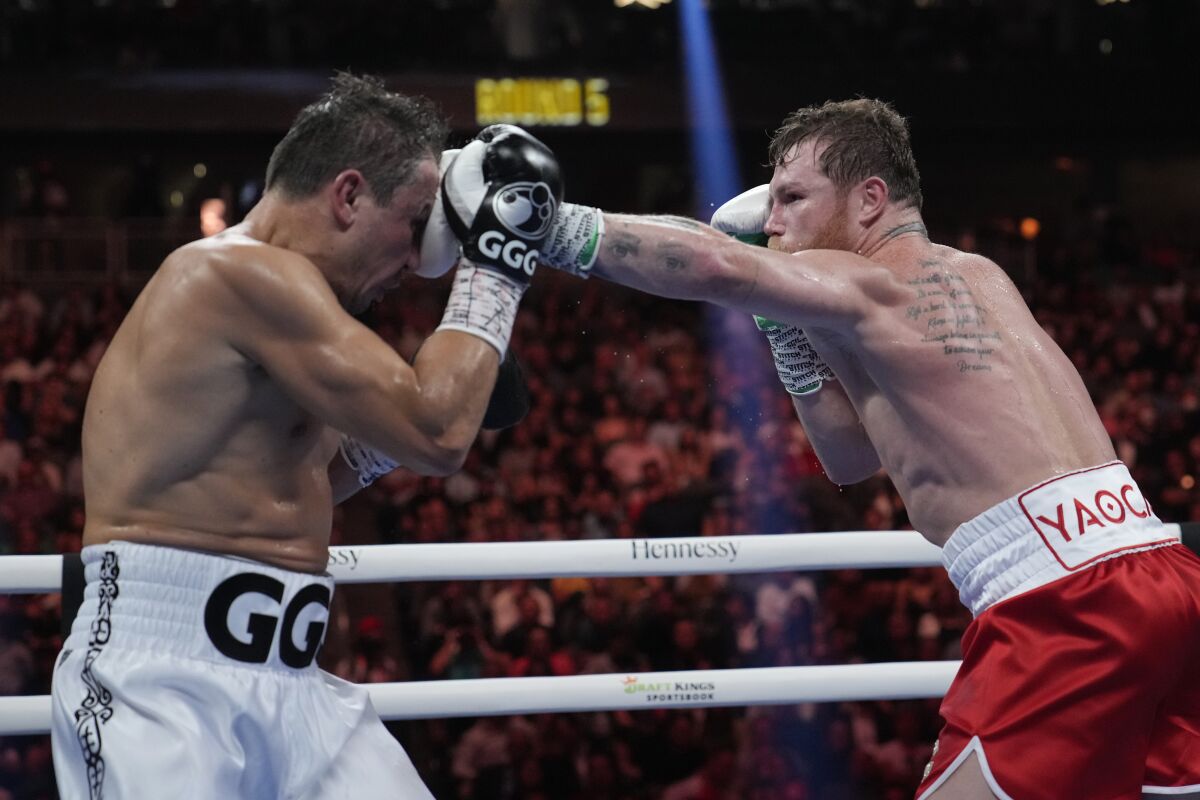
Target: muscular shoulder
(242, 275)
(247, 266)
(946, 257)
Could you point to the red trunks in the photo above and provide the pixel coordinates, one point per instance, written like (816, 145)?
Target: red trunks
(1080, 671)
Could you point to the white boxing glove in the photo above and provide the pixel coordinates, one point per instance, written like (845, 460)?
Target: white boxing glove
(800, 369)
(744, 216)
(440, 248)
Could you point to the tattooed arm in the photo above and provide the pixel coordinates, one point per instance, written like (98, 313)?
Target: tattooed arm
(665, 256)
(687, 260)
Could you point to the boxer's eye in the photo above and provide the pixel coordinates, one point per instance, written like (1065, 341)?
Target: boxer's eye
(418, 228)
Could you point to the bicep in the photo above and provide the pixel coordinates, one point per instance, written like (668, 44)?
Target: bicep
(828, 288)
(326, 361)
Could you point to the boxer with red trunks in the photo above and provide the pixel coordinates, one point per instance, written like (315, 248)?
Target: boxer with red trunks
(911, 355)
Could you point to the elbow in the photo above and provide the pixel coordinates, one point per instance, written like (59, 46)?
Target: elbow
(726, 274)
(844, 475)
(446, 457)
(846, 471)
(445, 435)
(846, 463)
(448, 450)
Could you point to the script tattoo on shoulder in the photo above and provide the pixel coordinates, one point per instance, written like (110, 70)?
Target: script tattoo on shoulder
(951, 317)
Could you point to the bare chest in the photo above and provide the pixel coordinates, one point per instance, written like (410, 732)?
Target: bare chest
(268, 412)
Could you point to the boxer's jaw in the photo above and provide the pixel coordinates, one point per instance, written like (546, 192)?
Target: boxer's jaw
(387, 244)
(808, 211)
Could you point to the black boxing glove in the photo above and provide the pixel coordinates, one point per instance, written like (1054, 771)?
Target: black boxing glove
(500, 195)
(510, 398)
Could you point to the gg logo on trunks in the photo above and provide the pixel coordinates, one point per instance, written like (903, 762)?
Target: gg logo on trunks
(1089, 515)
(255, 631)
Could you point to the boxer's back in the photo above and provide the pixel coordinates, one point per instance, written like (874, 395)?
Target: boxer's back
(186, 442)
(967, 400)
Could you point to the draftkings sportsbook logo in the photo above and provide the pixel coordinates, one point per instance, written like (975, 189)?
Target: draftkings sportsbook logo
(670, 691)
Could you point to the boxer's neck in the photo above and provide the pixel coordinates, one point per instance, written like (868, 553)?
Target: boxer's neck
(891, 226)
(295, 225)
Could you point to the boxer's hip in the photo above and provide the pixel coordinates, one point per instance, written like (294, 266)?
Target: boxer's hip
(1057, 528)
(203, 606)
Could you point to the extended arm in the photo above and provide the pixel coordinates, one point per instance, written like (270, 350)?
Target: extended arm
(682, 258)
(688, 260)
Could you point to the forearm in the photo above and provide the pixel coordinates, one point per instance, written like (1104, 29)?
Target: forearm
(426, 416)
(686, 260)
(667, 256)
(455, 373)
(836, 434)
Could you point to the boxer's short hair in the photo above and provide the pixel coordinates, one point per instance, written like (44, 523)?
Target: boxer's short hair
(357, 124)
(862, 138)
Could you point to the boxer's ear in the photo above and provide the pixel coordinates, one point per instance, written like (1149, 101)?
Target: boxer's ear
(869, 200)
(346, 193)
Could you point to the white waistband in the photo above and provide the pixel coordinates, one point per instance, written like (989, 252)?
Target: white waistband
(200, 605)
(1063, 525)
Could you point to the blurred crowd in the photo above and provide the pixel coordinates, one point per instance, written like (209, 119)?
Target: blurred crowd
(650, 418)
(951, 35)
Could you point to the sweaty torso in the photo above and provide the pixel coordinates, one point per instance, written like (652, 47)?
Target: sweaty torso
(187, 443)
(965, 397)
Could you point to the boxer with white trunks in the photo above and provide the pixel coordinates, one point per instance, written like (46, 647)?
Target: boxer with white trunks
(238, 401)
(911, 355)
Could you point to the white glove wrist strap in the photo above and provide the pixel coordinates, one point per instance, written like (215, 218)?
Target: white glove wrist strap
(800, 368)
(483, 303)
(574, 241)
(366, 461)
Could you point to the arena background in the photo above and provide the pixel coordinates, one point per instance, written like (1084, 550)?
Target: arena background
(1058, 138)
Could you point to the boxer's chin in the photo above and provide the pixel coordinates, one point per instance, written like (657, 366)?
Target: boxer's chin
(780, 245)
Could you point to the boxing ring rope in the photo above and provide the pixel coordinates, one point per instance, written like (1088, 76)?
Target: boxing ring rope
(645, 690)
(609, 558)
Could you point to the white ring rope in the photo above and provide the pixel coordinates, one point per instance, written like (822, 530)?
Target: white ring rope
(577, 558)
(582, 558)
(612, 558)
(694, 689)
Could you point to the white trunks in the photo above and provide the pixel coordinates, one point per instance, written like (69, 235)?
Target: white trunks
(189, 675)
